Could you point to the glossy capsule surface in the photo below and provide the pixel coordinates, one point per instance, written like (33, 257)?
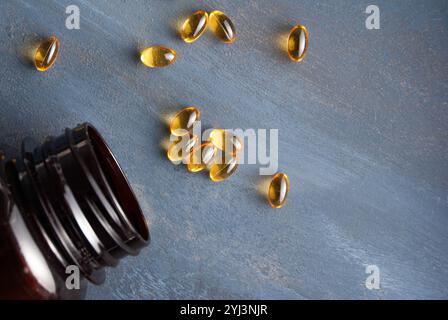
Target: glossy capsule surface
(194, 26)
(224, 168)
(182, 123)
(46, 54)
(226, 141)
(298, 43)
(222, 26)
(158, 57)
(181, 148)
(201, 157)
(278, 190)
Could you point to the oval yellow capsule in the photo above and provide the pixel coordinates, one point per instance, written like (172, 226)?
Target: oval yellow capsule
(158, 57)
(226, 141)
(46, 54)
(201, 157)
(194, 26)
(223, 167)
(298, 43)
(182, 123)
(181, 148)
(222, 26)
(278, 190)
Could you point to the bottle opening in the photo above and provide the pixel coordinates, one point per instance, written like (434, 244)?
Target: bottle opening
(118, 182)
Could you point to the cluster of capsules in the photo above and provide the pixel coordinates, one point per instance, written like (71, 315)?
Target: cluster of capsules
(191, 30)
(219, 154)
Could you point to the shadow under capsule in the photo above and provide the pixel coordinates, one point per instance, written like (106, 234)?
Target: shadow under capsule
(164, 145)
(176, 26)
(164, 135)
(280, 41)
(133, 53)
(137, 53)
(263, 188)
(28, 50)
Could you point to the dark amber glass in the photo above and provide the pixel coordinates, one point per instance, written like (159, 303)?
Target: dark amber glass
(64, 203)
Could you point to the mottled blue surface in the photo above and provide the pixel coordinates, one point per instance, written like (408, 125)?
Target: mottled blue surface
(363, 137)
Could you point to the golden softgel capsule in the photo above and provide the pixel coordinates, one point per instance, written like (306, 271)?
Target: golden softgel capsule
(201, 157)
(194, 26)
(181, 148)
(222, 26)
(298, 43)
(46, 54)
(278, 190)
(226, 141)
(183, 121)
(158, 57)
(223, 167)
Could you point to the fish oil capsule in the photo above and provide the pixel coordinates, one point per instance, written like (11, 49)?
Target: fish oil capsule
(182, 123)
(158, 57)
(194, 26)
(223, 167)
(226, 141)
(181, 148)
(298, 43)
(222, 26)
(46, 54)
(201, 157)
(278, 190)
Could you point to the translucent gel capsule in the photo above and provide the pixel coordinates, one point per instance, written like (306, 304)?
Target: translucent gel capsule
(223, 168)
(183, 121)
(194, 26)
(298, 43)
(226, 141)
(222, 26)
(181, 148)
(158, 57)
(278, 190)
(201, 157)
(46, 54)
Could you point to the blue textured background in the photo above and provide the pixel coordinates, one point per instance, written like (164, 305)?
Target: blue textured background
(363, 136)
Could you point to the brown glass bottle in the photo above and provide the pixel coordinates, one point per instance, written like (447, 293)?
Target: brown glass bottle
(64, 203)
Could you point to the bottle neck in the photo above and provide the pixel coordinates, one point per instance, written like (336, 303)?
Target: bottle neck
(73, 189)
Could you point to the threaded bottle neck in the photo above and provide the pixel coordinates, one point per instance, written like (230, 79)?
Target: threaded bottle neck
(73, 188)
